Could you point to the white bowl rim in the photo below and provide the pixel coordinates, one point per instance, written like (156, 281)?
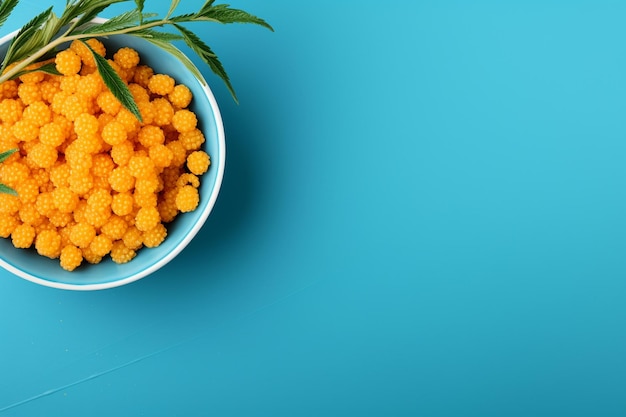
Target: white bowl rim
(221, 139)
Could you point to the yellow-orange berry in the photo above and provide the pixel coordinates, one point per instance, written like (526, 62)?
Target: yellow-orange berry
(133, 238)
(198, 162)
(146, 109)
(144, 199)
(161, 84)
(139, 93)
(60, 174)
(82, 234)
(188, 179)
(29, 93)
(37, 113)
(51, 134)
(43, 155)
(122, 152)
(90, 256)
(181, 96)
(59, 219)
(45, 203)
(48, 243)
(193, 140)
(27, 191)
(48, 89)
(108, 103)
(86, 125)
(167, 205)
(101, 245)
(67, 62)
(69, 83)
(8, 223)
(128, 119)
(114, 133)
(23, 236)
(12, 174)
(90, 85)
(161, 155)
(80, 182)
(25, 130)
(99, 199)
(71, 258)
(121, 179)
(122, 203)
(120, 253)
(155, 236)
(147, 218)
(75, 105)
(184, 121)
(11, 110)
(179, 153)
(142, 75)
(163, 112)
(126, 58)
(141, 166)
(28, 214)
(151, 135)
(8, 89)
(65, 200)
(115, 227)
(187, 198)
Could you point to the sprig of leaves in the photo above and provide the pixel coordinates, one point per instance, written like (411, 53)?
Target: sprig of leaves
(39, 39)
(3, 156)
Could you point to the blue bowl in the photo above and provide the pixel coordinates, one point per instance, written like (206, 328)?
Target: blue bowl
(27, 264)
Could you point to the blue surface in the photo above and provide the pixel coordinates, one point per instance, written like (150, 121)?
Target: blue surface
(422, 215)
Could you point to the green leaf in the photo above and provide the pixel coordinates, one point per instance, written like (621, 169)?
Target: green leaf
(4, 155)
(7, 190)
(168, 47)
(26, 39)
(90, 9)
(121, 22)
(206, 7)
(224, 14)
(207, 55)
(6, 8)
(49, 68)
(172, 8)
(150, 34)
(115, 84)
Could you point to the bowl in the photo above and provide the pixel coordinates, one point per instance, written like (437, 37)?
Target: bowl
(27, 264)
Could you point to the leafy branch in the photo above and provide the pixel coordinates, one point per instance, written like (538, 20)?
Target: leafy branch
(39, 39)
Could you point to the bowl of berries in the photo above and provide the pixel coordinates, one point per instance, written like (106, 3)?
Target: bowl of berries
(112, 147)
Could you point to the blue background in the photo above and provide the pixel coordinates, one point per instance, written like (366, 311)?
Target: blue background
(423, 214)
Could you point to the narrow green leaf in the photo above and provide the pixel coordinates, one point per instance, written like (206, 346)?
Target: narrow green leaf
(168, 47)
(150, 34)
(4, 155)
(49, 68)
(207, 55)
(139, 4)
(173, 6)
(121, 22)
(6, 8)
(115, 84)
(225, 14)
(206, 6)
(5, 189)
